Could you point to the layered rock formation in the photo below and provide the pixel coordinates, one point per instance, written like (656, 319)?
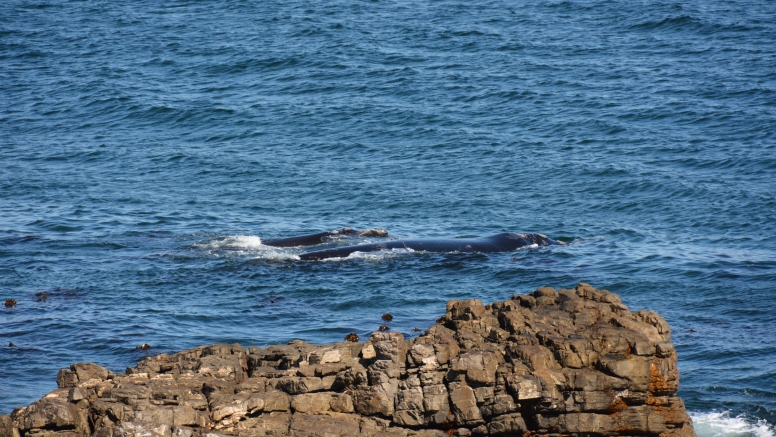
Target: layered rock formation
(565, 362)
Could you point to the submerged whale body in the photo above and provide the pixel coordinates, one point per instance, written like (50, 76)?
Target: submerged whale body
(504, 242)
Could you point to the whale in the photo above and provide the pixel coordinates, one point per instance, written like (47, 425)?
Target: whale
(320, 237)
(503, 242)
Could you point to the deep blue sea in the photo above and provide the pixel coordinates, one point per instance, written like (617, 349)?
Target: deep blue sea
(147, 147)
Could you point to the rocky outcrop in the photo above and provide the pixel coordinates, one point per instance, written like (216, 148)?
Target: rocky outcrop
(565, 362)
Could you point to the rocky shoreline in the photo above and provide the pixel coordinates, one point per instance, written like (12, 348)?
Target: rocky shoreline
(554, 362)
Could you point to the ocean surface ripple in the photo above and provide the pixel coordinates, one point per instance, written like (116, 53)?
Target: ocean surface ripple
(146, 149)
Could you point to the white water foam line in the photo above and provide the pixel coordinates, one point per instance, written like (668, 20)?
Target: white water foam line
(232, 242)
(717, 424)
(381, 255)
(245, 245)
(249, 242)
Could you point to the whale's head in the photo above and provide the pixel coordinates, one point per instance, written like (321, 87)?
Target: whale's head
(530, 239)
(540, 239)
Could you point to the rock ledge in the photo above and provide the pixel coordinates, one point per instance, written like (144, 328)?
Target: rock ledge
(566, 362)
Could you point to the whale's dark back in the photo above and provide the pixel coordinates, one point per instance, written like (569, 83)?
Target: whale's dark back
(504, 242)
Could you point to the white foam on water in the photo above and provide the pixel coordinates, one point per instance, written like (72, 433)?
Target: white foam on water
(717, 424)
(249, 242)
(528, 247)
(277, 255)
(245, 245)
(373, 256)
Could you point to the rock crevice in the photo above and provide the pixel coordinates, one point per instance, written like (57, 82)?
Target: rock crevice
(554, 362)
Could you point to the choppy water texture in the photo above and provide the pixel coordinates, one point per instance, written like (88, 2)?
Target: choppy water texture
(146, 147)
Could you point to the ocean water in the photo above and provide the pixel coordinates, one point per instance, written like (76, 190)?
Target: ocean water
(147, 147)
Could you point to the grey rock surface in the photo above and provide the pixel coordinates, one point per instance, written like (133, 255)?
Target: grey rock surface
(555, 362)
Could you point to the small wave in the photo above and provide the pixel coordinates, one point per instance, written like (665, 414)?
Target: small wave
(717, 424)
(7, 241)
(684, 21)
